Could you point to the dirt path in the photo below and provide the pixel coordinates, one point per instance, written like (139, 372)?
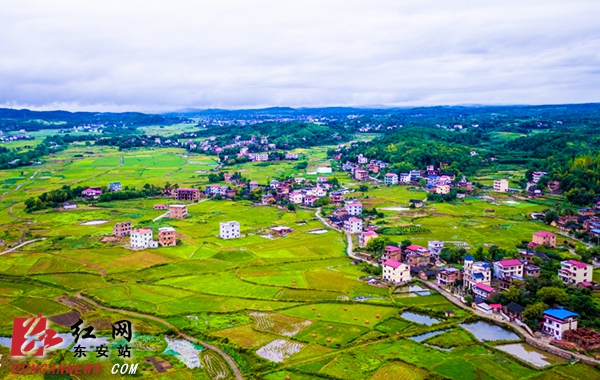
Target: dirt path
(522, 331)
(166, 214)
(20, 245)
(232, 365)
(324, 221)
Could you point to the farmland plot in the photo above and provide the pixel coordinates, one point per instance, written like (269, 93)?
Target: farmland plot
(279, 324)
(215, 365)
(279, 350)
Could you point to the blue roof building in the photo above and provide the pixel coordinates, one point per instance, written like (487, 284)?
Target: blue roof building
(558, 320)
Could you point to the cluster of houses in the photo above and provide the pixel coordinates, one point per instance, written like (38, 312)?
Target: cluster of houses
(142, 238)
(9, 138)
(585, 221)
(347, 218)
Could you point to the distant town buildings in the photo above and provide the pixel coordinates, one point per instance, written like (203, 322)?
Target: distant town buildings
(229, 230)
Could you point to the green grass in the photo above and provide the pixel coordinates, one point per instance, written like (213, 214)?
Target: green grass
(339, 335)
(336, 313)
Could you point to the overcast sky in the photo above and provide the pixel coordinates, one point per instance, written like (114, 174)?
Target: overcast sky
(165, 55)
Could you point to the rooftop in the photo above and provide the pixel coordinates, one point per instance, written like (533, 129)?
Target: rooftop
(577, 264)
(392, 248)
(543, 233)
(393, 263)
(484, 287)
(370, 233)
(509, 263)
(560, 313)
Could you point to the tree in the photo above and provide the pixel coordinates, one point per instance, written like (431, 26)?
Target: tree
(377, 245)
(553, 296)
(363, 188)
(514, 292)
(405, 243)
(550, 216)
(534, 312)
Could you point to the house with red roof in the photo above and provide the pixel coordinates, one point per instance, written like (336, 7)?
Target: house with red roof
(415, 255)
(508, 268)
(395, 272)
(483, 291)
(391, 252)
(544, 238)
(391, 179)
(573, 272)
(91, 193)
(364, 238)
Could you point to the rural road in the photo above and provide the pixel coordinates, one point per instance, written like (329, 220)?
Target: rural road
(521, 330)
(324, 221)
(166, 214)
(232, 365)
(20, 245)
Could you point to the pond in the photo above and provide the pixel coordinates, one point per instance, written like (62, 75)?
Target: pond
(422, 337)
(486, 331)
(419, 318)
(94, 222)
(531, 354)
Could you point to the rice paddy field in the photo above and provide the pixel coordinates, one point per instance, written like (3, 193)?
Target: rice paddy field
(281, 307)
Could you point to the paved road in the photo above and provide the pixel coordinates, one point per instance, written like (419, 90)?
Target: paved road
(522, 331)
(236, 370)
(324, 221)
(20, 245)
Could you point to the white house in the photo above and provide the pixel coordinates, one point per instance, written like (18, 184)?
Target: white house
(353, 225)
(404, 178)
(508, 268)
(296, 197)
(142, 238)
(476, 272)
(391, 179)
(229, 230)
(573, 272)
(559, 320)
(395, 272)
(354, 207)
(501, 185)
(435, 247)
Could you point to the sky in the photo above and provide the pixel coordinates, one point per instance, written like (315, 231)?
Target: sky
(156, 56)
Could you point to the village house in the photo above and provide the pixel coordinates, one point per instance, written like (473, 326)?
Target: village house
(122, 229)
(536, 176)
(310, 200)
(253, 185)
(448, 276)
(415, 175)
(266, 199)
(361, 159)
(433, 179)
(586, 212)
(475, 272)
(404, 178)
(513, 311)
(114, 186)
(544, 238)
(282, 230)
(167, 236)
(372, 168)
(361, 175)
(354, 207)
(353, 225)
(395, 272)
(291, 156)
(435, 247)
(508, 268)
(336, 197)
(534, 192)
(415, 255)
(501, 185)
(91, 193)
(295, 197)
(531, 270)
(391, 252)
(274, 184)
(364, 238)
(321, 179)
(142, 238)
(178, 211)
(69, 205)
(442, 189)
(229, 230)
(187, 194)
(554, 187)
(258, 157)
(415, 203)
(483, 291)
(212, 189)
(558, 320)
(573, 272)
(160, 207)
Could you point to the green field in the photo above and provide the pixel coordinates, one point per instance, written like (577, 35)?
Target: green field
(243, 294)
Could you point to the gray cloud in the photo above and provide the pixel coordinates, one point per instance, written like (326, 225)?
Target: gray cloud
(156, 55)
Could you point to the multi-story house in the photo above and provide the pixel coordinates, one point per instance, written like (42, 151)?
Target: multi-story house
(415, 255)
(415, 175)
(229, 230)
(404, 178)
(442, 189)
(559, 320)
(395, 272)
(187, 194)
(291, 156)
(536, 176)
(114, 186)
(362, 159)
(353, 225)
(310, 200)
(354, 207)
(448, 276)
(178, 211)
(167, 236)
(361, 175)
(142, 238)
(545, 238)
(296, 197)
(475, 272)
(501, 185)
(573, 272)
(122, 229)
(508, 268)
(483, 291)
(91, 193)
(365, 237)
(531, 270)
(435, 247)
(391, 179)
(253, 185)
(391, 253)
(336, 197)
